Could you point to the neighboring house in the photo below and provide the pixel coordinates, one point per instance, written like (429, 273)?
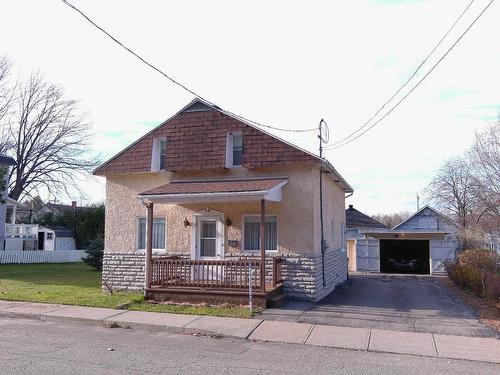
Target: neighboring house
(26, 237)
(204, 180)
(420, 244)
(57, 209)
(357, 221)
(19, 237)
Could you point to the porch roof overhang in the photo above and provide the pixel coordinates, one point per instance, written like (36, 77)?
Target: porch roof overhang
(224, 190)
(405, 235)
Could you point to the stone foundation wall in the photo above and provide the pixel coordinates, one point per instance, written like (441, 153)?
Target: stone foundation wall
(302, 275)
(123, 272)
(335, 272)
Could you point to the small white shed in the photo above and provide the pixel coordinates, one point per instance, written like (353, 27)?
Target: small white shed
(46, 239)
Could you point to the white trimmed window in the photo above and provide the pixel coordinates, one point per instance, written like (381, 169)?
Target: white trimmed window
(234, 149)
(158, 233)
(251, 229)
(159, 154)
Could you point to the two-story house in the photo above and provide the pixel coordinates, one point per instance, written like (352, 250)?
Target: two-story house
(205, 199)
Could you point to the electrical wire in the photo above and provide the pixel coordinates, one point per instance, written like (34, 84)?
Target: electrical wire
(174, 81)
(332, 146)
(419, 82)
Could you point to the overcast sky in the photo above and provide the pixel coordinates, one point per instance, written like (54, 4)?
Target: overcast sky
(286, 64)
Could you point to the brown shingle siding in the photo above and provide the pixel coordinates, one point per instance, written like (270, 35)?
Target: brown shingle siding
(197, 141)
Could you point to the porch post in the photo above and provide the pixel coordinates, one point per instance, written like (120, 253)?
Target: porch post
(263, 244)
(149, 243)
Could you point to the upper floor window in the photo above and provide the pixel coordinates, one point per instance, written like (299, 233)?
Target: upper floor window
(162, 145)
(234, 149)
(159, 155)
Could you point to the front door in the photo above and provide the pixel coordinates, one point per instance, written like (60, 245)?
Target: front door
(207, 239)
(209, 245)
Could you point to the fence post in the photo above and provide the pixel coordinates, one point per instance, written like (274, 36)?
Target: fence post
(250, 291)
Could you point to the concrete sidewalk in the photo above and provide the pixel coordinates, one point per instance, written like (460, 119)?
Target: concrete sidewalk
(374, 340)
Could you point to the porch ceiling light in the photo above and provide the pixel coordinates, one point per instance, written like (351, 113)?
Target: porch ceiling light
(228, 222)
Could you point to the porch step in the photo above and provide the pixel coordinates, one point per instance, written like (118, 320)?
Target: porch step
(276, 300)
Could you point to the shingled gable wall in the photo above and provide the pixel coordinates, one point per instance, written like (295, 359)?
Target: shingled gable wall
(197, 141)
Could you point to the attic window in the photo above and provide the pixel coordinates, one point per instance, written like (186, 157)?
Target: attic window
(159, 154)
(234, 149)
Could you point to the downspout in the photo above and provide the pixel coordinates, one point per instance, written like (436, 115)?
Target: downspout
(323, 247)
(345, 228)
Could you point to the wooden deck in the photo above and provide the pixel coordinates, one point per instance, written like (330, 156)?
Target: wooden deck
(214, 281)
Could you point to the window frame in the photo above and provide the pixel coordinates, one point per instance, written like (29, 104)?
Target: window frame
(156, 156)
(137, 231)
(230, 149)
(243, 233)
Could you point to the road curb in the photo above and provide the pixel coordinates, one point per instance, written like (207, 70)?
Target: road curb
(113, 321)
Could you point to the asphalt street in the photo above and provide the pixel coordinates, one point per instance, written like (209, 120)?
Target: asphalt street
(37, 347)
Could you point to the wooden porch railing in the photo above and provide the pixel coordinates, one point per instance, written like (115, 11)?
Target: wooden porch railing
(217, 274)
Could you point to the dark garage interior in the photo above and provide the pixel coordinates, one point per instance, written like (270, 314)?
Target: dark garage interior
(404, 256)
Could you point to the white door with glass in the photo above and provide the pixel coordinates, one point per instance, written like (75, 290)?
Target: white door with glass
(209, 246)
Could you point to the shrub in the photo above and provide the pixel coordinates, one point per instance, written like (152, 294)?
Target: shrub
(476, 271)
(481, 259)
(95, 252)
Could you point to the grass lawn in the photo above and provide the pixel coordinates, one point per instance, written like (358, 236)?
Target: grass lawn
(78, 284)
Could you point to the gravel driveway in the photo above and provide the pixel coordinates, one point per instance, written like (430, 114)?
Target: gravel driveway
(394, 302)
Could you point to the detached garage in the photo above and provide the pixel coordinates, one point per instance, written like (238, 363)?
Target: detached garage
(419, 245)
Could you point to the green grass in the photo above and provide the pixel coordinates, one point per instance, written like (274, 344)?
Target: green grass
(228, 311)
(78, 284)
(64, 283)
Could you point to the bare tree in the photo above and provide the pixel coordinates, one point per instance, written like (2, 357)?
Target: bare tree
(485, 160)
(391, 220)
(48, 137)
(453, 190)
(6, 96)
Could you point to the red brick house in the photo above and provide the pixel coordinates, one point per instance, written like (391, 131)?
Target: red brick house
(186, 205)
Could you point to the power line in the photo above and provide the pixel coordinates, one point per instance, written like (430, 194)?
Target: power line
(338, 144)
(419, 82)
(174, 81)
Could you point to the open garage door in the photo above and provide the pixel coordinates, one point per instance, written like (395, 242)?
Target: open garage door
(404, 256)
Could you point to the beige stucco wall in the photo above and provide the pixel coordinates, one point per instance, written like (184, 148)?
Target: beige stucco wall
(333, 212)
(296, 213)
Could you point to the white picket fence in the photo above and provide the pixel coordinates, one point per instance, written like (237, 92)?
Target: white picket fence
(40, 256)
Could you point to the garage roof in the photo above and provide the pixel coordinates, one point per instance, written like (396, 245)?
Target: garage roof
(405, 235)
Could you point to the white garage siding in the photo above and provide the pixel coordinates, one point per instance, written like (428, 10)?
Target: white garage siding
(368, 255)
(441, 251)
